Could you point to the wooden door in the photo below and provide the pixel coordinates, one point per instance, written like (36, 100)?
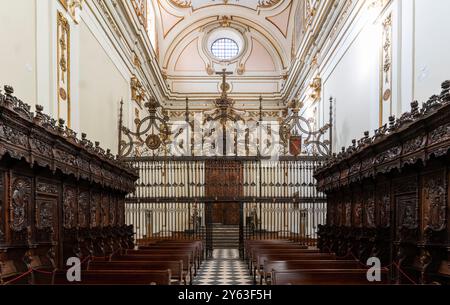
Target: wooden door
(224, 182)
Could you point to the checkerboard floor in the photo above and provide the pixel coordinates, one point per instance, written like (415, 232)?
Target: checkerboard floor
(225, 268)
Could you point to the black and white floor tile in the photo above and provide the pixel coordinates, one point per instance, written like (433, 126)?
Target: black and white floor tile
(225, 268)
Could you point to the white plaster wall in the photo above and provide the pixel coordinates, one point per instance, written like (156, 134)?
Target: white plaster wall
(432, 47)
(18, 48)
(353, 81)
(101, 88)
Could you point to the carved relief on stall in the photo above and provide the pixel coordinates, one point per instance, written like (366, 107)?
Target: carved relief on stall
(112, 210)
(69, 207)
(370, 208)
(2, 208)
(47, 194)
(95, 209)
(434, 205)
(20, 203)
(383, 202)
(339, 210)
(357, 210)
(406, 200)
(105, 210)
(83, 208)
(347, 214)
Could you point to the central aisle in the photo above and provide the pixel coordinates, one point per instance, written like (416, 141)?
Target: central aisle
(225, 268)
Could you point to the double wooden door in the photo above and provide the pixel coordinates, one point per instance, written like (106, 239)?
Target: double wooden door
(224, 181)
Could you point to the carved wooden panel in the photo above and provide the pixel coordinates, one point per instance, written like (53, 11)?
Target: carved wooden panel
(121, 211)
(112, 210)
(20, 203)
(370, 208)
(383, 204)
(407, 212)
(2, 206)
(69, 206)
(434, 203)
(331, 211)
(46, 213)
(339, 213)
(105, 210)
(95, 209)
(357, 210)
(348, 214)
(83, 208)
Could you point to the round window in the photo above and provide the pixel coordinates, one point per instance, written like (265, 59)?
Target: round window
(225, 48)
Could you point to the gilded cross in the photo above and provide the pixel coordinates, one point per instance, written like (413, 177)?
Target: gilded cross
(224, 74)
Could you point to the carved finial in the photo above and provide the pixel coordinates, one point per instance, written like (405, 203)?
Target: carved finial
(39, 108)
(354, 142)
(414, 108)
(61, 123)
(97, 144)
(9, 90)
(391, 123)
(83, 136)
(445, 94)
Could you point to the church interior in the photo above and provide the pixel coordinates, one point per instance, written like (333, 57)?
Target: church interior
(224, 142)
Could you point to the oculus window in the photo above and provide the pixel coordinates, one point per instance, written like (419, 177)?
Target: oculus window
(225, 48)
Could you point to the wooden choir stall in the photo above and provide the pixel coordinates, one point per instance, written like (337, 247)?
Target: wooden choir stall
(60, 196)
(388, 195)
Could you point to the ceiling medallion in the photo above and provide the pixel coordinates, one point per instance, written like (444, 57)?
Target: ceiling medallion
(268, 3)
(181, 3)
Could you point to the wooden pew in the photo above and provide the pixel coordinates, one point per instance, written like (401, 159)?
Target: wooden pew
(294, 255)
(169, 252)
(176, 267)
(116, 277)
(248, 244)
(259, 256)
(197, 246)
(325, 277)
(157, 257)
(278, 249)
(282, 265)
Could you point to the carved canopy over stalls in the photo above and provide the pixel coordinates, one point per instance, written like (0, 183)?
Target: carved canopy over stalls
(59, 195)
(388, 194)
(39, 139)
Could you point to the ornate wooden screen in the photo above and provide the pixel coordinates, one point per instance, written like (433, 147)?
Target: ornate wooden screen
(182, 170)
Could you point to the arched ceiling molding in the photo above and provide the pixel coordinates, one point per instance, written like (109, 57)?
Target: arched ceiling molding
(169, 20)
(245, 16)
(184, 39)
(262, 40)
(276, 39)
(180, 39)
(281, 20)
(194, 55)
(254, 6)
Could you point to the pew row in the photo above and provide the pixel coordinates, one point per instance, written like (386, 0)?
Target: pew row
(116, 277)
(325, 277)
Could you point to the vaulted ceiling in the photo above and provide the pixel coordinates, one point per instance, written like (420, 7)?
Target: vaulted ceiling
(267, 32)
